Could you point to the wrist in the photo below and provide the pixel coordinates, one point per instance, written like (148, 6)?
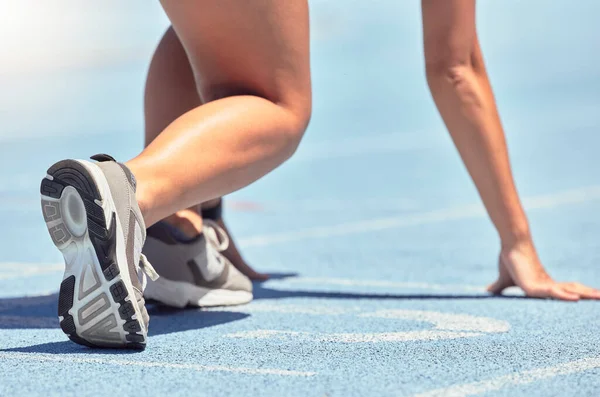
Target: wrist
(516, 238)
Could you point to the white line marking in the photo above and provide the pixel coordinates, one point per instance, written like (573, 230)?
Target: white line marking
(326, 205)
(18, 266)
(371, 144)
(45, 357)
(17, 270)
(408, 336)
(349, 228)
(471, 211)
(377, 284)
(446, 326)
(256, 307)
(445, 321)
(411, 336)
(521, 378)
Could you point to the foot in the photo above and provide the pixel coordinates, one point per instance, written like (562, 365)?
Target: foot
(213, 211)
(194, 272)
(94, 220)
(520, 266)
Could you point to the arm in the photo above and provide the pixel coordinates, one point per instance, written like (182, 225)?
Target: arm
(463, 95)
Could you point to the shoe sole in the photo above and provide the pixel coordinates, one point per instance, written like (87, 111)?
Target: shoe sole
(96, 303)
(181, 294)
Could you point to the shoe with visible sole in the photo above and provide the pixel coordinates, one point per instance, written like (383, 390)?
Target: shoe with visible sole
(194, 273)
(94, 220)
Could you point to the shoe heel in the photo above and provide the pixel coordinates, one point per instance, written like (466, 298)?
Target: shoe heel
(94, 306)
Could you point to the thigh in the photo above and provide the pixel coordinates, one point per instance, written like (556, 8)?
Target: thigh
(256, 47)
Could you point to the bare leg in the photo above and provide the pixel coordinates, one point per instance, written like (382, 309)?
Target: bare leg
(256, 95)
(171, 92)
(462, 92)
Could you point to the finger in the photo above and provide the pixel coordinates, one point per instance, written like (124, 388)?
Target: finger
(591, 293)
(583, 291)
(236, 259)
(256, 276)
(499, 285)
(557, 292)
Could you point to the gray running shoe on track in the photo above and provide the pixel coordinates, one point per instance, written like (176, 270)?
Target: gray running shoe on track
(194, 273)
(93, 218)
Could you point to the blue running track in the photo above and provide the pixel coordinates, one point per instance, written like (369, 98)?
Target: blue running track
(377, 242)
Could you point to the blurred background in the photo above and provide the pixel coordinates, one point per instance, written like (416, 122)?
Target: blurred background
(72, 76)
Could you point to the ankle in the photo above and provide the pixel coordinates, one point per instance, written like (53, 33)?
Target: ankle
(187, 221)
(143, 196)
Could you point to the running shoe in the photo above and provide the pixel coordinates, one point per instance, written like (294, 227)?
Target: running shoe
(94, 219)
(194, 272)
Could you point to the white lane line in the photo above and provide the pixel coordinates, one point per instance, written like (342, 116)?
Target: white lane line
(315, 310)
(446, 326)
(548, 201)
(45, 357)
(18, 266)
(370, 144)
(17, 270)
(376, 283)
(13, 270)
(445, 321)
(20, 270)
(409, 336)
(349, 228)
(520, 378)
(327, 206)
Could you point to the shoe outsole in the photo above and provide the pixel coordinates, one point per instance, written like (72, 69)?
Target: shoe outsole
(67, 226)
(180, 294)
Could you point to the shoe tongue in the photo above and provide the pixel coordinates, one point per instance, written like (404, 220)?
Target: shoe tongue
(215, 235)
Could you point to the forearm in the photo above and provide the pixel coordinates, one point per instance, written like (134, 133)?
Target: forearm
(464, 98)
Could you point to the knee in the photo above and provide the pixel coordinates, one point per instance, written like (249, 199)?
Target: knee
(299, 112)
(294, 118)
(295, 113)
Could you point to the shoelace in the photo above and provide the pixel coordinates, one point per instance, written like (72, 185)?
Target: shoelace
(147, 268)
(215, 234)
